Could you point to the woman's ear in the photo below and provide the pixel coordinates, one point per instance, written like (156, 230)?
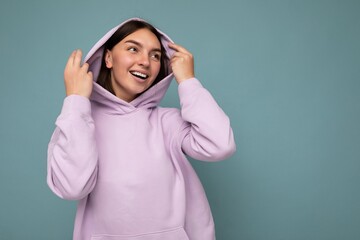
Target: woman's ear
(108, 59)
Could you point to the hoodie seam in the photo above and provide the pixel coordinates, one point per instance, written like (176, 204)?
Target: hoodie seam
(85, 117)
(179, 136)
(140, 234)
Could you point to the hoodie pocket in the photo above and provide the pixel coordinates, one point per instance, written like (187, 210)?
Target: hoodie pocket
(171, 234)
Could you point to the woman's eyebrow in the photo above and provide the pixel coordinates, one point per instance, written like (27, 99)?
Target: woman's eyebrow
(140, 45)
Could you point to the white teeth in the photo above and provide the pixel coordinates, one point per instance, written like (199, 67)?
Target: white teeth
(139, 74)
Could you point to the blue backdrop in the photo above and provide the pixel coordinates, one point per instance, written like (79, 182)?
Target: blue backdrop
(286, 72)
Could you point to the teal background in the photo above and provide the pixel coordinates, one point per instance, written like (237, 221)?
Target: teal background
(286, 72)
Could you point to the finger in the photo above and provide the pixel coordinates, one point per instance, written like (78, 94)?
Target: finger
(70, 61)
(180, 55)
(178, 48)
(90, 75)
(85, 67)
(77, 59)
(175, 59)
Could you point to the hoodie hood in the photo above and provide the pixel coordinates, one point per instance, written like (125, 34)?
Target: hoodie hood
(150, 98)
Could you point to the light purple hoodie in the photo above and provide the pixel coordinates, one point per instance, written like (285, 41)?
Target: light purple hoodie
(126, 162)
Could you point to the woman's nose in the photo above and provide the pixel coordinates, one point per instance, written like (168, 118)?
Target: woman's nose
(144, 60)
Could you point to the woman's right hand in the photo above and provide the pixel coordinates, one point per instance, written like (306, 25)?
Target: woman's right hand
(78, 80)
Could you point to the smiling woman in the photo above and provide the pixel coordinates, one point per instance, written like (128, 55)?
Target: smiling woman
(134, 63)
(140, 31)
(124, 157)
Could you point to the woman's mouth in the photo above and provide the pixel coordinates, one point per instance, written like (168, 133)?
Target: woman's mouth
(139, 74)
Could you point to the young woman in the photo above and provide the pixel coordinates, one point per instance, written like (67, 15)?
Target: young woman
(124, 157)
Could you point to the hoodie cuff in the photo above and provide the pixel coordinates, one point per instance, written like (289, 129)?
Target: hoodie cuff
(76, 104)
(188, 87)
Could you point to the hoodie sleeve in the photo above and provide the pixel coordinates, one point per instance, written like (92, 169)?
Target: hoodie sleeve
(72, 153)
(206, 133)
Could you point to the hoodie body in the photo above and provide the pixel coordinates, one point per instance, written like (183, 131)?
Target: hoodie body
(126, 162)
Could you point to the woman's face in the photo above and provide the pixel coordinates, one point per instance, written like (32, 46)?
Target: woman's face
(134, 63)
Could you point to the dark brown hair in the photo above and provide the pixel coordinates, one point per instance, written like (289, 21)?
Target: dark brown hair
(104, 78)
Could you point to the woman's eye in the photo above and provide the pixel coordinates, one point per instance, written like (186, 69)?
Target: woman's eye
(156, 56)
(132, 49)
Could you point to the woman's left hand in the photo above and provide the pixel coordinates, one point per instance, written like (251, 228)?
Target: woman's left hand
(182, 63)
